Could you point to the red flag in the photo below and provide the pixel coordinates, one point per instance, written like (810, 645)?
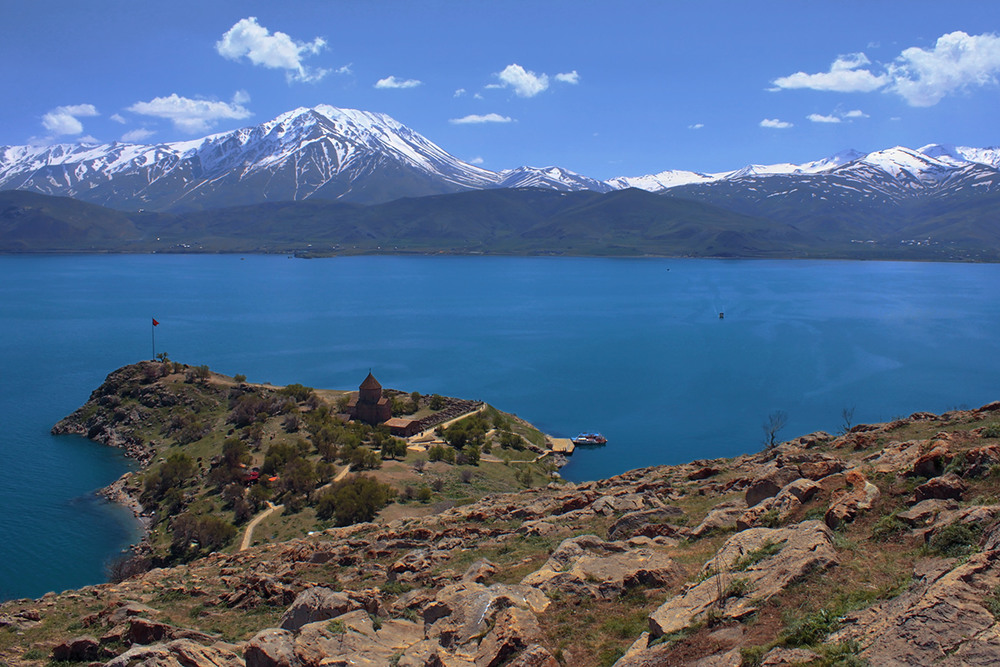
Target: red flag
(155, 323)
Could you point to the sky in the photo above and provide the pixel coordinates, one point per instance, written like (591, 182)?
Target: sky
(604, 89)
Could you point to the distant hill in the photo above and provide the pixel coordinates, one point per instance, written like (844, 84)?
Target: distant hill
(33, 222)
(520, 221)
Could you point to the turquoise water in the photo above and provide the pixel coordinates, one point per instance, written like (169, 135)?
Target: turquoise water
(633, 348)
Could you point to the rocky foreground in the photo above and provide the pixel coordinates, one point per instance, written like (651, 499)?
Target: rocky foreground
(880, 546)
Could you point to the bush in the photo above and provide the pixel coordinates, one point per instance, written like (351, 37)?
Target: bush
(239, 378)
(888, 527)
(296, 391)
(436, 402)
(192, 533)
(354, 500)
(812, 629)
(125, 566)
(955, 540)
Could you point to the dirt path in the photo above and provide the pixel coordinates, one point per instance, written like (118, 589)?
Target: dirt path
(272, 508)
(248, 535)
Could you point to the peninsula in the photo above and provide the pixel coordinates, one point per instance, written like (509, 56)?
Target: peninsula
(877, 545)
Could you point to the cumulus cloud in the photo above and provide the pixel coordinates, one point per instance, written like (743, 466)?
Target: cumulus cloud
(477, 160)
(190, 115)
(696, 126)
(922, 77)
(138, 135)
(524, 83)
(475, 119)
(846, 75)
(569, 77)
(345, 69)
(855, 113)
(958, 61)
(820, 118)
(249, 39)
(118, 118)
(459, 92)
(775, 123)
(65, 120)
(393, 82)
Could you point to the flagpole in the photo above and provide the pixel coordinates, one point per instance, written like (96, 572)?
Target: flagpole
(152, 331)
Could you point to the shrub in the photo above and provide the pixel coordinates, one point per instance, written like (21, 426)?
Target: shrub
(888, 527)
(240, 378)
(200, 533)
(955, 540)
(812, 629)
(354, 500)
(992, 431)
(125, 566)
(424, 494)
(296, 391)
(436, 402)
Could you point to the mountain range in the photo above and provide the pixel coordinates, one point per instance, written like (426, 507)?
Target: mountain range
(361, 171)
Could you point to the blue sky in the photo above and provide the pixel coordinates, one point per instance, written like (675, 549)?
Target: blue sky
(605, 89)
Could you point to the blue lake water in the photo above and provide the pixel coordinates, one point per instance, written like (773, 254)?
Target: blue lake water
(631, 347)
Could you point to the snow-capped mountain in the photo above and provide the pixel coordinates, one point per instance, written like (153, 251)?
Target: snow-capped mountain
(364, 157)
(322, 152)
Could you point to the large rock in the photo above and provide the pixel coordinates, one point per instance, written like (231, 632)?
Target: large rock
(178, 653)
(651, 522)
(461, 612)
(318, 604)
(847, 506)
(513, 631)
(273, 647)
(770, 481)
(720, 519)
(944, 487)
(78, 649)
(354, 639)
(589, 566)
(942, 620)
(736, 593)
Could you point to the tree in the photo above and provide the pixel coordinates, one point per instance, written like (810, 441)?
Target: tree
(354, 500)
(393, 448)
(436, 402)
(775, 422)
(847, 419)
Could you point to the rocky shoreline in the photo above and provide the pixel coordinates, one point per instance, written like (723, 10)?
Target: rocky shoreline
(821, 550)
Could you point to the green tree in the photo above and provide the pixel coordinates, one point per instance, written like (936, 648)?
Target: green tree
(354, 500)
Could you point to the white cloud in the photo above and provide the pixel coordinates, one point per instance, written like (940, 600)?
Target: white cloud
(459, 92)
(189, 115)
(345, 69)
(137, 135)
(524, 83)
(477, 160)
(65, 120)
(393, 82)
(696, 126)
(275, 51)
(569, 77)
(845, 76)
(855, 113)
(118, 118)
(958, 61)
(820, 118)
(88, 139)
(475, 119)
(478, 96)
(923, 77)
(775, 123)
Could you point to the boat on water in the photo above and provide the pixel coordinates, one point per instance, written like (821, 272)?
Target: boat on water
(590, 439)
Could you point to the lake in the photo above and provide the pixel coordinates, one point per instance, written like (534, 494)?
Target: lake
(633, 348)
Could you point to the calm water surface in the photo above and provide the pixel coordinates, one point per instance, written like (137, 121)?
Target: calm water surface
(633, 348)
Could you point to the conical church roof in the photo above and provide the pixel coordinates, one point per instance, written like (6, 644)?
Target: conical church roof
(370, 382)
